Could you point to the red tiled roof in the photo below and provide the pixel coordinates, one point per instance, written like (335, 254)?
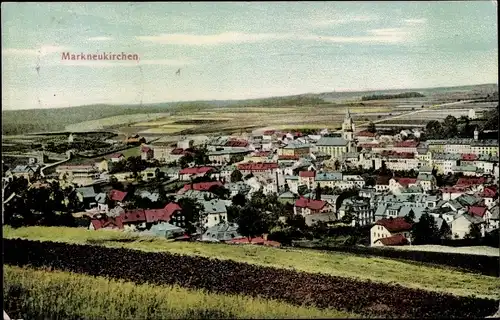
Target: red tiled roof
(236, 143)
(311, 204)
(489, 192)
(269, 132)
(365, 134)
(453, 190)
(145, 149)
(259, 166)
(196, 170)
(383, 180)
(115, 223)
(394, 225)
(406, 181)
(399, 155)
(261, 154)
(397, 240)
(469, 156)
(406, 144)
(116, 155)
(202, 186)
(477, 211)
(307, 174)
(288, 157)
(177, 151)
(137, 215)
(470, 181)
(117, 195)
(154, 215)
(368, 145)
(171, 208)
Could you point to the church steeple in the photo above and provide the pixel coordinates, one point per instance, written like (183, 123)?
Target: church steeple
(347, 114)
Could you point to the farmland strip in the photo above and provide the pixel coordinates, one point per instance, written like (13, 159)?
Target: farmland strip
(229, 277)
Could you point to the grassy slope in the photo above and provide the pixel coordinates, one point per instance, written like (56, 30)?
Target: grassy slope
(336, 264)
(63, 294)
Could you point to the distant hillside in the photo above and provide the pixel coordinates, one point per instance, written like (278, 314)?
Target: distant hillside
(393, 96)
(43, 120)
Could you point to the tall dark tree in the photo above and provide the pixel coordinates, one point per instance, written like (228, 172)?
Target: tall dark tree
(236, 176)
(371, 127)
(192, 212)
(252, 222)
(318, 192)
(410, 217)
(239, 199)
(425, 231)
(220, 192)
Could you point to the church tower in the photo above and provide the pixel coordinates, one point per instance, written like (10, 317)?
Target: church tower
(348, 127)
(348, 131)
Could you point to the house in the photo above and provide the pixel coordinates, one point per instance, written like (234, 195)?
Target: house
(258, 168)
(221, 232)
(396, 240)
(461, 225)
(200, 186)
(83, 174)
(174, 212)
(489, 194)
(237, 187)
(117, 196)
(147, 152)
(101, 200)
(314, 210)
(493, 222)
(135, 139)
(28, 172)
(117, 157)
(134, 220)
(362, 213)
(307, 178)
(426, 180)
(396, 185)
(171, 173)
(382, 183)
(214, 212)
(164, 230)
(295, 149)
(87, 195)
(150, 174)
(287, 197)
(328, 179)
(387, 228)
(452, 193)
(107, 223)
(187, 174)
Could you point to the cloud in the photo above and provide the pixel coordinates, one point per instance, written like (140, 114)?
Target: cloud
(415, 21)
(100, 39)
(343, 20)
(216, 39)
(116, 63)
(387, 36)
(42, 51)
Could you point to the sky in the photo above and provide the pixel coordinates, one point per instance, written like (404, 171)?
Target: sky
(240, 50)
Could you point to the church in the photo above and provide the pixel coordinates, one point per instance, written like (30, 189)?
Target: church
(336, 147)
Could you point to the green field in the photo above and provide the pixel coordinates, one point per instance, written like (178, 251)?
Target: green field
(39, 294)
(337, 264)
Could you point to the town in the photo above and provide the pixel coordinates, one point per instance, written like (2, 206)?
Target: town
(372, 187)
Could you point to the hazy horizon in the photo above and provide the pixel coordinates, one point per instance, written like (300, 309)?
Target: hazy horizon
(239, 51)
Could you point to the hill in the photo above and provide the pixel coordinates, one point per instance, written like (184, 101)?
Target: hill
(15, 122)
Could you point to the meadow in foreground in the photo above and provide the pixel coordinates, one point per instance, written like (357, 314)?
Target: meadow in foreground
(35, 294)
(407, 274)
